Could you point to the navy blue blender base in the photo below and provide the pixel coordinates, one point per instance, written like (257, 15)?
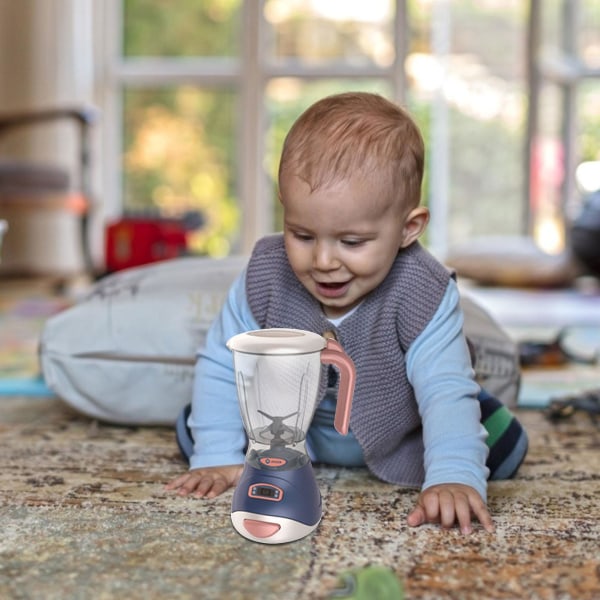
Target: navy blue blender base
(276, 506)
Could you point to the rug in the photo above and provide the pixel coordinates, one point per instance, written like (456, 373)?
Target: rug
(84, 515)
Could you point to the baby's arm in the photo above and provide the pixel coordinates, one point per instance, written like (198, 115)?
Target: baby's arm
(439, 369)
(215, 421)
(450, 503)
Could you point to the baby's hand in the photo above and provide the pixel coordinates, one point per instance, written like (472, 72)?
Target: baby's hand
(207, 482)
(448, 503)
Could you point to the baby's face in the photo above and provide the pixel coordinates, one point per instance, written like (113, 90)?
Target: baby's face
(341, 240)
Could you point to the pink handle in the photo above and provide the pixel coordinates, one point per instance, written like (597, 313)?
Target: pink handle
(334, 354)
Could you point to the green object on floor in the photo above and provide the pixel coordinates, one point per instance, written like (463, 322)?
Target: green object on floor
(369, 583)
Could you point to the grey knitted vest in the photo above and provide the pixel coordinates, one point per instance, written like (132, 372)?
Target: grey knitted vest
(385, 417)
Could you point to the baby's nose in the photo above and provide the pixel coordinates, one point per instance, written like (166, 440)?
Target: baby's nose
(325, 256)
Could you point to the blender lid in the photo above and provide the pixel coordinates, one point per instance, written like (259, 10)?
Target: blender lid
(277, 341)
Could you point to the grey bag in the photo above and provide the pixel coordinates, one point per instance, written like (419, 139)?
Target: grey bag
(126, 353)
(495, 354)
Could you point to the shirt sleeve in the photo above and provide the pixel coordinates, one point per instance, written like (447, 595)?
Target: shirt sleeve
(215, 420)
(439, 369)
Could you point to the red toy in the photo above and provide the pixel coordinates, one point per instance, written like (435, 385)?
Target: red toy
(138, 240)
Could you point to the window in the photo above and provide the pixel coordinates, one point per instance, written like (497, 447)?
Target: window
(206, 93)
(203, 95)
(564, 124)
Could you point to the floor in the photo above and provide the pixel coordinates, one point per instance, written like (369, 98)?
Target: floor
(84, 513)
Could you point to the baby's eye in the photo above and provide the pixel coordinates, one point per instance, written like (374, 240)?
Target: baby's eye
(352, 242)
(303, 237)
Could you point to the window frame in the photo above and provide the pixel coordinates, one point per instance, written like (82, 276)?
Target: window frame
(249, 74)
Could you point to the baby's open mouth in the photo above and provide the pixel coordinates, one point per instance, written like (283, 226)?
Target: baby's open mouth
(333, 285)
(332, 289)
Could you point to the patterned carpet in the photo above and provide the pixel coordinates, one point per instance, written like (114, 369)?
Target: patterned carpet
(84, 515)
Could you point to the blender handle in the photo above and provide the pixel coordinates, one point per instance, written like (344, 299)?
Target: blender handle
(334, 354)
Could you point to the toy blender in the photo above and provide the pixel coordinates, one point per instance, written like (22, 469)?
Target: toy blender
(277, 374)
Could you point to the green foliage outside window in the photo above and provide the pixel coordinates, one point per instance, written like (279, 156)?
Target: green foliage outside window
(179, 158)
(181, 141)
(191, 28)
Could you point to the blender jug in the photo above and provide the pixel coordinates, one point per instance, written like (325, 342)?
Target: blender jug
(277, 375)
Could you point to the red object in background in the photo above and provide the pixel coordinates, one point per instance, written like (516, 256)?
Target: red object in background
(135, 241)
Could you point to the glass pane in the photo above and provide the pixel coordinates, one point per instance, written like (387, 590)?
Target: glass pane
(588, 139)
(179, 158)
(588, 33)
(191, 28)
(466, 72)
(286, 99)
(589, 120)
(314, 32)
(548, 170)
(588, 115)
(552, 18)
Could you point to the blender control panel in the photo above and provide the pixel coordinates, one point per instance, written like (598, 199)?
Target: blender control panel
(265, 491)
(272, 461)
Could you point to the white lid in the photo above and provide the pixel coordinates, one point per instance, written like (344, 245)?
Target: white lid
(277, 341)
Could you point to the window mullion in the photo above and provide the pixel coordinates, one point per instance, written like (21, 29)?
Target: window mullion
(292, 68)
(110, 17)
(160, 71)
(401, 46)
(255, 199)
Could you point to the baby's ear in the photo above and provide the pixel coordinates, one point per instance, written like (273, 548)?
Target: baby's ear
(415, 225)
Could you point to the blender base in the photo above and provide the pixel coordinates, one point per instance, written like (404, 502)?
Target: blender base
(274, 505)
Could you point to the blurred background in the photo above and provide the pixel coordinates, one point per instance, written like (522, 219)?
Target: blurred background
(187, 102)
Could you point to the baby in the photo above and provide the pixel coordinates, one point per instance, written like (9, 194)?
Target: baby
(349, 265)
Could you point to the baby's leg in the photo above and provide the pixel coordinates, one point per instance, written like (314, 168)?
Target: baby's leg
(183, 434)
(507, 440)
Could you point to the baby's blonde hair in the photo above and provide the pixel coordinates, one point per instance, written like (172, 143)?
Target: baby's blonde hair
(356, 133)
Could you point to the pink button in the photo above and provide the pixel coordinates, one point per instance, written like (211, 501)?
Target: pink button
(261, 529)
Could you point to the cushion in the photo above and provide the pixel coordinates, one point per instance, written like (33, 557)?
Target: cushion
(126, 352)
(512, 262)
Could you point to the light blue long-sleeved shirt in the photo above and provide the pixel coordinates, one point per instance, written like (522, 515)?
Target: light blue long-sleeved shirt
(438, 368)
